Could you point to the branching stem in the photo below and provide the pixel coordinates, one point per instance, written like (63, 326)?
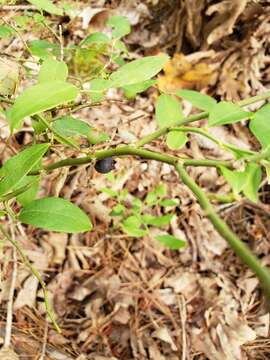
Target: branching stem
(239, 247)
(155, 135)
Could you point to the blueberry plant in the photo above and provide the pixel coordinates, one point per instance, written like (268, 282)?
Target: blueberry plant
(65, 79)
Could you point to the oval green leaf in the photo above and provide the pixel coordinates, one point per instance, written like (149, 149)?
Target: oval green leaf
(15, 169)
(52, 70)
(71, 127)
(138, 70)
(176, 140)
(197, 99)
(226, 113)
(40, 98)
(170, 241)
(46, 5)
(253, 180)
(260, 125)
(168, 110)
(55, 214)
(120, 24)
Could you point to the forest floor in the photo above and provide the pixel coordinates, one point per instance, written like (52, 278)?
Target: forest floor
(118, 297)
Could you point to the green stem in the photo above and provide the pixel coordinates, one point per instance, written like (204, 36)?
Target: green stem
(206, 134)
(263, 155)
(35, 272)
(131, 150)
(155, 135)
(239, 247)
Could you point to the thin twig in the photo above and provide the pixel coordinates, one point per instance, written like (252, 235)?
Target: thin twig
(10, 301)
(35, 272)
(17, 7)
(44, 345)
(61, 43)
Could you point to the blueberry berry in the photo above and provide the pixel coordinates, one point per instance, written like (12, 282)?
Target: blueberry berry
(105, 165)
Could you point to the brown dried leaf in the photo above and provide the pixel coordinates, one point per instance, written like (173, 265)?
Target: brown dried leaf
(222, 24)
(181, 73)
(27, 295)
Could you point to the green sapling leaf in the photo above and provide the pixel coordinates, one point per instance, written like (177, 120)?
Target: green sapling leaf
(55, 214)
(132, 226)
(253, 180)
(138, 71)
(260, 125)
(16, 168)
(121, 26)
(176, 140)
(171, 241)
(39, 98)
(168, 110)
(32, 183)
(52, 70)
(225, 112)
(47, 6)
(197, 99)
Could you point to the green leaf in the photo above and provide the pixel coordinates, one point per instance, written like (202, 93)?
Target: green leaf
(22, 20)
(168, 202)
(122, 194)
(226, 113)
(197, 99)
(71, 127)
(168, 110)
(171, 241)
(44, 49)
(161, 190)
(153, 197)
(55, 214)
(16, 168)
(260, 125)
(98, 88)
(94, 137)
(29, 195)
(137, 205)
(6, 31)
(267, 170)
(47, 6)
(157, 220)
(39, 98)
(2, 213)
(110, 192)
(176, 140)
(117, 210)
(131, 91)
(120, 25)
(131, 226)
(253, 180)
(236, 179)
(95, 37)
(138, 71)
(52, 70)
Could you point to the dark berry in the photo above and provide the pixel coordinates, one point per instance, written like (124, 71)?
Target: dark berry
(105, 165)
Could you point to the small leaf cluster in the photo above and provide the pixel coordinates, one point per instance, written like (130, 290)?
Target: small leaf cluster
(134, 216)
